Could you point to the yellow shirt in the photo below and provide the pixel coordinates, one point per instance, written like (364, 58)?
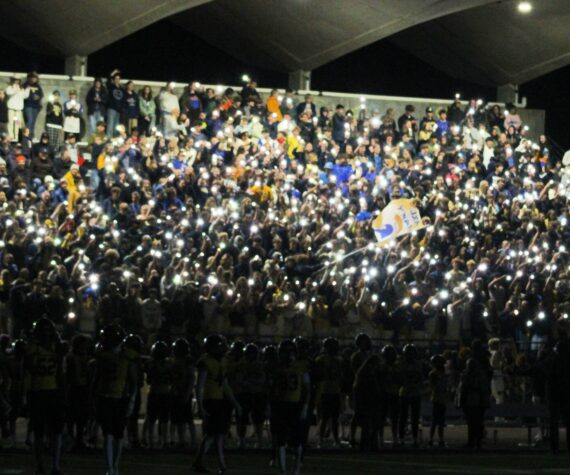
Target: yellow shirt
(288, 382)
(261, 193)
(216, 374)
(292, 145)
(113, 370)
(43, 363)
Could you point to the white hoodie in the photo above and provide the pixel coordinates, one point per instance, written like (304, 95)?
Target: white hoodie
(16, 96)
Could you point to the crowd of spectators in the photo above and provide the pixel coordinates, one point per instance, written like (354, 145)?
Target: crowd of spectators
(224, 211)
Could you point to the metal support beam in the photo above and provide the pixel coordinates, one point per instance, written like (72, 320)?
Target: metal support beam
(76, 65)
(300, 80)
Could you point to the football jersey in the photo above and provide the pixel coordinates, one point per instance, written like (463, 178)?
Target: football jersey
(216, 374)
(42, 367)
(288, 382)
(329, 370)
(112, 369)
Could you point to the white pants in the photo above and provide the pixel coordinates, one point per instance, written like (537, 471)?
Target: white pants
(15, 123)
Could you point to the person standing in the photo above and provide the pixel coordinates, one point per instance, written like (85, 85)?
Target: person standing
(182, 389)
(439, 397)
(33, 103)
(54, 120)
(557, 372)
(113, 388)
(475, 394)
(289, 401)
(96, 99)
(72, 112)
(338, 121)
(3, 112)
(45, 393)
(411, 373)
(147, 111)
(329, 370)
(214, 397)
(130, 107)
(16, 97)
(115, 101)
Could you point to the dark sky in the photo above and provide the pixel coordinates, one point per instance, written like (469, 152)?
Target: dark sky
(381, 68)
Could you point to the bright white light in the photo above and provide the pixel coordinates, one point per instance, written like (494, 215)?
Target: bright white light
(524, 7)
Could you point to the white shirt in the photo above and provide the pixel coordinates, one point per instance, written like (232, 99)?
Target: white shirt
(168, 102)
(16, 96)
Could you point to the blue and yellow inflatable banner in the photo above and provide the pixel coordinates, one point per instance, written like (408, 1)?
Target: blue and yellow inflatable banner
(400, 217)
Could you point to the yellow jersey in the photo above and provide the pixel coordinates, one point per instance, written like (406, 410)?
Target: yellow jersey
(288, 382)
(216, 374)
(43, 364)
(112, 374)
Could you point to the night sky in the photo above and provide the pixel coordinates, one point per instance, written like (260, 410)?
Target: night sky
(380, 68)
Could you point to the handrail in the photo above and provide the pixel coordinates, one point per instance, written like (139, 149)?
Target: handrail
(263, 90)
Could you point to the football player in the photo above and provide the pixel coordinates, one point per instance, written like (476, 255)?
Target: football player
(159, 379)
(77, 374)
(114, 388)
(289, 400)
(215, 398)
(182, 389)
(45, 391)
(329, 375)
(253, 397)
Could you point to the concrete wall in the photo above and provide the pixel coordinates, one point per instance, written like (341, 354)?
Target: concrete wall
(534, 118)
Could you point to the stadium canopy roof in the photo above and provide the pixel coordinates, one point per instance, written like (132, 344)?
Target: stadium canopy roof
(486, 41)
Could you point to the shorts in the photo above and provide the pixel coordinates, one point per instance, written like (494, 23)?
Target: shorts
(438, 413)
(330, 406)
(219, 417)
(286, 424)
(253, 405)
(158, 407)
(46, 411)
(181, 411)
(112, 416)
